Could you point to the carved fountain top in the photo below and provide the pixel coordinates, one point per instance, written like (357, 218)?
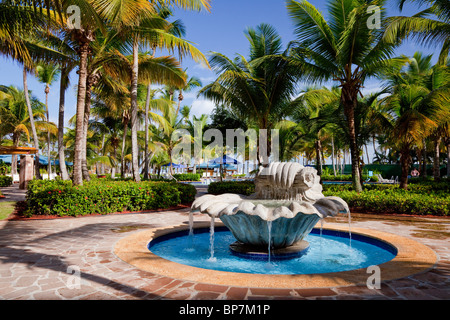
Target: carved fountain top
(288, 181)
(282, 189)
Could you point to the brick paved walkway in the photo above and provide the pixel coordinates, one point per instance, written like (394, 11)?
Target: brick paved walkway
(35, 257)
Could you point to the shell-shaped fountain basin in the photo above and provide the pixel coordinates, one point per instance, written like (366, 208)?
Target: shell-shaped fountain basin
(258, 221)
(283, 232)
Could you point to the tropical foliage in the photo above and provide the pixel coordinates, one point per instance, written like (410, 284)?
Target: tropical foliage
(62, 198)
(310, 90)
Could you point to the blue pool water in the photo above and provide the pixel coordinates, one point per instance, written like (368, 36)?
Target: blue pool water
(330, 252)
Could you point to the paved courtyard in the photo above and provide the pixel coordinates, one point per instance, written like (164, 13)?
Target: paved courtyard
(72, 258)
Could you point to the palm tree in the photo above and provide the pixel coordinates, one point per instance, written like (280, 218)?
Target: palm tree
(162, 136)
(342, 49)
(64, 83)
(431, 26)
(315, 110)
(196, 128)
(417, 108)
(47, 74)
(258, 90)
(99, 15)
(15, 119)
(17, 24)
(192, 82)
(147, 32)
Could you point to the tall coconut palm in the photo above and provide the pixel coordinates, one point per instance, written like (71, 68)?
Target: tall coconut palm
(162, 136)
(145, 32)
(315, 110)
(17, 24)
(431, 26)
(421, 72)
(418, 111)
(192, 83)
(343, 49)
(15, 118)
(47, 74)
(98, 15)
(258, 89)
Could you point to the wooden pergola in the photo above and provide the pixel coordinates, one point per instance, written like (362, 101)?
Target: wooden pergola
(17, 150)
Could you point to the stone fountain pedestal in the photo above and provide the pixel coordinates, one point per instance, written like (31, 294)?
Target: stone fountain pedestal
(262, 253)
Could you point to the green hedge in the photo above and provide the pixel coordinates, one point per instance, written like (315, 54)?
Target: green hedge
(346, 177)
(187, 176)
(5, 181)
(427, 198)
(239, 187)
(419, 199)
(57, 197)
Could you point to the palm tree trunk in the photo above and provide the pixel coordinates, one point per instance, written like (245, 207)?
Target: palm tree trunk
(405, 161)
(113, 169)
(332, 156)
(367, 154)
(436, 161)
(14, 157)
(87, 113)
(424, 163)
(84, 167)
(318, 157)
(125, 131)
(49, 166)
(147, 105)
(448, 158)
(134, 109)
(349, 100)
(81, 98)
(180, 98)
(62, 98)
(33, 127)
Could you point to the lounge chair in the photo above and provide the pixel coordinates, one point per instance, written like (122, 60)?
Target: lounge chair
(382, 180)
(168, 176)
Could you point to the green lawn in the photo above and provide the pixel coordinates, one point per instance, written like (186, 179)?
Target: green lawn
(6, 208)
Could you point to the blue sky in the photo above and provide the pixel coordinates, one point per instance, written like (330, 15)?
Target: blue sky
(222, 30)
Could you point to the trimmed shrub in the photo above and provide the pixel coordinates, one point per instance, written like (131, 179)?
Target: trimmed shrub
(187, 176)
(58, 197)
(420, 199)
(240, 187)
(430, 198)
(5, 181)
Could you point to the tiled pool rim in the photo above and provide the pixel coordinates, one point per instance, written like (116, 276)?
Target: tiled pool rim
(412, 258)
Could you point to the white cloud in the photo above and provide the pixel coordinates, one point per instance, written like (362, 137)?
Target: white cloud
(200, 107)
(207, 80)
(371, 87)
(200, 66)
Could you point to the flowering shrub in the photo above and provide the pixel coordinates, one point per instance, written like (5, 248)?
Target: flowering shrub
(57, 197)
(5, 181)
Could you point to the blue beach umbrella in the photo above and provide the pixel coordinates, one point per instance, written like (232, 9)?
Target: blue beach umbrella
(174, 165)
(207, 165)
(225, 160)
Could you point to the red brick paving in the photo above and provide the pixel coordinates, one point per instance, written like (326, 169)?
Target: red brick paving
(35, 255)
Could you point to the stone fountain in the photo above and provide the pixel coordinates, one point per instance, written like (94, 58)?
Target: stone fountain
(287, 204)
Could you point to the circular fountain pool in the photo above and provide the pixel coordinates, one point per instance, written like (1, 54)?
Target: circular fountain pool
(331, 251)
